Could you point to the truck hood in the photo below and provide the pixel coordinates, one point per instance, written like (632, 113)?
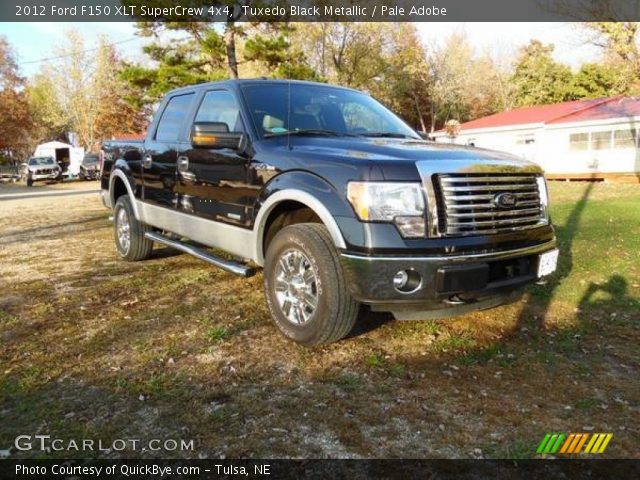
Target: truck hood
(395, 151)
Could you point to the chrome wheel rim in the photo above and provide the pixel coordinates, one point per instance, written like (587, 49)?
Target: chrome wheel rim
(296, 285)
(123, 230)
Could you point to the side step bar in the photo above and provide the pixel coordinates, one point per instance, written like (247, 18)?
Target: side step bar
(227, 265)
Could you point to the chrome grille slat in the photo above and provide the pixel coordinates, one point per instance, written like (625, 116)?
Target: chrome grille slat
(509, 179)
(494, 188)
(508, 213)
(479, 206)
(488, 196)
(493, 223)
(466, 207)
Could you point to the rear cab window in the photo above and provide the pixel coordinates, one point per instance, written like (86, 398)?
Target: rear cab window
(173, 118)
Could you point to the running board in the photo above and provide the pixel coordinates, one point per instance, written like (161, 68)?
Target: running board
(227, 265)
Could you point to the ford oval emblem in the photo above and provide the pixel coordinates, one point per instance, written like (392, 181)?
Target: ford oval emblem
(505, 200)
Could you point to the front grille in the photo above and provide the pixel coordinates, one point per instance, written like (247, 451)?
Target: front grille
(468, 203)
(44, 171)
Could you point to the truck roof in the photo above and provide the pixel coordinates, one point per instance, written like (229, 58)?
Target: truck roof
(246, 81)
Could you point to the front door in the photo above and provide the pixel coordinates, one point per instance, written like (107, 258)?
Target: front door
(160, 154)
(213, 182)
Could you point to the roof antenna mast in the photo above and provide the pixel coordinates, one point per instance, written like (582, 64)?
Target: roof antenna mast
(288, 89)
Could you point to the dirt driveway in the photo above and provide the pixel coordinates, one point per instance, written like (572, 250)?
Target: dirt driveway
(172, 348)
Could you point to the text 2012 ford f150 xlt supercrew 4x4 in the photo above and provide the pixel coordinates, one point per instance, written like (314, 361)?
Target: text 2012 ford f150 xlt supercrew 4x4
(339, 200)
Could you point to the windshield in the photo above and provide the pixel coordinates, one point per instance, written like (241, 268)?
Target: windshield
(41, 161)
(88, 159)
(320, 109)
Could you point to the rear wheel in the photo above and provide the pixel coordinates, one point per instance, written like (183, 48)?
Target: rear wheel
(305, 287)
(131, 243)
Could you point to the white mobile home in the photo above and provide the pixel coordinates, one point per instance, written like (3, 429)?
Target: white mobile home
(596, 138)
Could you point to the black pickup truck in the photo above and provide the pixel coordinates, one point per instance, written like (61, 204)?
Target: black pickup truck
(336, 198)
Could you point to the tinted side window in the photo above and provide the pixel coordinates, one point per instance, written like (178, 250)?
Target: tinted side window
(173, 118)
(220, 106)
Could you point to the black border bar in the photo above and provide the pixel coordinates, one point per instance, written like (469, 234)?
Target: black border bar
(319, 10)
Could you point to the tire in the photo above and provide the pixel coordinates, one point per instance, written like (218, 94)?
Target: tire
(81, 176)
(307, 249)
(138, 247)
(29, 182)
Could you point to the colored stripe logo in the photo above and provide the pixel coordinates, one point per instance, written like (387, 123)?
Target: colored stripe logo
(573, 443)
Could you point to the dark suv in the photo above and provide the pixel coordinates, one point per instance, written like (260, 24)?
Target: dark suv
(90, 167)
(337, 198)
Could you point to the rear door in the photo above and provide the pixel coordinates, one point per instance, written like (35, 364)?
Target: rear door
(160, 151)
(213, 183)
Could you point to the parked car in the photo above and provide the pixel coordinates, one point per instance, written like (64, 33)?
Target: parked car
(90, 167)
(40, 169)
(337, 199)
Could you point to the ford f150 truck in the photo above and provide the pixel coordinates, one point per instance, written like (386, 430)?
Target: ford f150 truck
(336, 198)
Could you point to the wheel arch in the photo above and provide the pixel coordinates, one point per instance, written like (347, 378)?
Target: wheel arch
(120, 184)
(298, 197)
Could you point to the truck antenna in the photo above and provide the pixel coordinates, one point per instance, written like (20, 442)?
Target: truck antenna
(288, 92)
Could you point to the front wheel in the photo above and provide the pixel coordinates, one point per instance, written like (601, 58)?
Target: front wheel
(131, 243)
(305, 286)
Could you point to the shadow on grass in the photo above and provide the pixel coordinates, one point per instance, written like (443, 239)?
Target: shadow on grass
(52, 231)
(565, 235)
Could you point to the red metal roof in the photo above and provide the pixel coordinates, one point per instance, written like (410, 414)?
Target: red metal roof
(129, 136)
(576, 111)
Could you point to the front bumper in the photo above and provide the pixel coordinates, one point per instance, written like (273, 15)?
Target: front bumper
(44, 176)
(446, 282)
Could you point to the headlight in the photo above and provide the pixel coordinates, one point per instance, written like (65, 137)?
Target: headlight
(400, 203)
(544, 197)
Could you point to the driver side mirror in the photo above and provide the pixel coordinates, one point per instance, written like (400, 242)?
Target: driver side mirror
(214, 135)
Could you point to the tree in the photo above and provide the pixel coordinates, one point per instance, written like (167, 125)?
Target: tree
(51, 122)
(204, 34)
(404, 81)
(464, 85)
(595, 80)
(538, 78)
(177, 64)
(385, 59)
(83, 92)
(15, 120)
(271, 46)
(619, 43)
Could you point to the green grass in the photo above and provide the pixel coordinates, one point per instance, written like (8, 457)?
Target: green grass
(217, 334)
(455, 342)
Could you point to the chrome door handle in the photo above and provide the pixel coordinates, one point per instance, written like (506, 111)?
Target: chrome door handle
(146, 161)
(183, 164)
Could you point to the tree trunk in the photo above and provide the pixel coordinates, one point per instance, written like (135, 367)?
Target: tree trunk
(433, 116)
(423, 127)
(230, 44)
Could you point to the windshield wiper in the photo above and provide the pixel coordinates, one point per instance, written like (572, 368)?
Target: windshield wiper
(310, 132)
(385, 134)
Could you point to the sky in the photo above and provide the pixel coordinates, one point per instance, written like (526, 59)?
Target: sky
(36, 41)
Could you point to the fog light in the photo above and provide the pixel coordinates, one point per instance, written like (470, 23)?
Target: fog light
(400, 280)
(407, 281)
